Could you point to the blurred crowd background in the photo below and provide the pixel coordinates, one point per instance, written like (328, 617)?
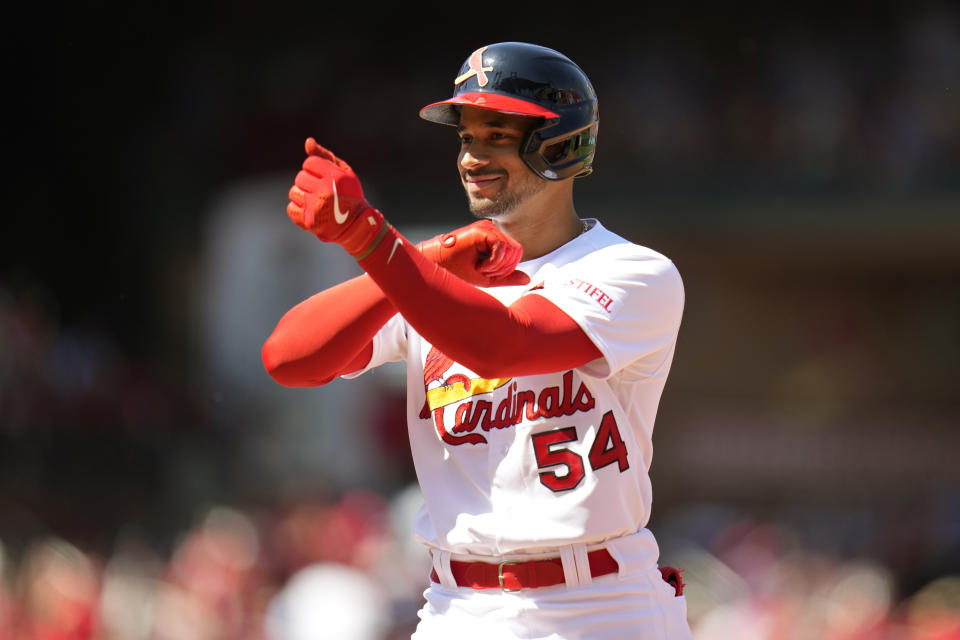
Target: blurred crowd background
(800, 165)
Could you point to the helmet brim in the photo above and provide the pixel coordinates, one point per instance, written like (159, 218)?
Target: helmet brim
(446, 112)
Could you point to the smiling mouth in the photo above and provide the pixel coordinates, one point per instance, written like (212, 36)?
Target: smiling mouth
(477, 182)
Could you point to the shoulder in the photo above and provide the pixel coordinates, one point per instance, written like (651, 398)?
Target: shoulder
(623, 277)
(605, 249)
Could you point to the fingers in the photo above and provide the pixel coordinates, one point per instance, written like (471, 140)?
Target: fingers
(318, 166)
(302, 207)
(513, 279)
(297, 196)
(295, 212)
(516, 253)
(322, 166)
(315, 150)
(308, 181)
(295, 208)
(496, 260)
(503, 257)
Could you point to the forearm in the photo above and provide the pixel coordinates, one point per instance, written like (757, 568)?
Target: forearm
(471, 326)
(464, 322)
(328, 334)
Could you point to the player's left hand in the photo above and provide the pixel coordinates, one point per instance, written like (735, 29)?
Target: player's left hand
(479, 253)
(327, 200)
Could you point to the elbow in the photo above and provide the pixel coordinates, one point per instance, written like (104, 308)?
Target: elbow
(272, 362)
(276, 366)
(289, 372)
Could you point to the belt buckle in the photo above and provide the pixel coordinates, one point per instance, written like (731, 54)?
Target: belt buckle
(500, 575)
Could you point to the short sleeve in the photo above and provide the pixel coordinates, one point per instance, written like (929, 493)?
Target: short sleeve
(628, 299)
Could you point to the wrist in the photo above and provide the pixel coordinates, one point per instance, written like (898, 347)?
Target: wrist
(364, 233)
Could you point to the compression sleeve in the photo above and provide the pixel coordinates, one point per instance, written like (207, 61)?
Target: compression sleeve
(327, 335)
(529, 337)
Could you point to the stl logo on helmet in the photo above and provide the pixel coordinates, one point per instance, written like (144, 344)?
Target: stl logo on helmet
(476, 69)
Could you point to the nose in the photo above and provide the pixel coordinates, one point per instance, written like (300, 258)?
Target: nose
(471, 157)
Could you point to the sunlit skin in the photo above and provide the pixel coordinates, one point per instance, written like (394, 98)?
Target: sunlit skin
(537, 213)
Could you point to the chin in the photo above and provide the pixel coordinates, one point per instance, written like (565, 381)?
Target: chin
(485, 208)
(494, 207)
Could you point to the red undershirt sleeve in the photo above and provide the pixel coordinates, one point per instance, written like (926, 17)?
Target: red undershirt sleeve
(467, 324)
(327, 335)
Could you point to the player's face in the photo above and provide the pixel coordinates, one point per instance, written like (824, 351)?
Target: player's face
(494, 176)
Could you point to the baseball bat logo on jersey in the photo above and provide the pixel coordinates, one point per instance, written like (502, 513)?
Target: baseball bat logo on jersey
(471, 413)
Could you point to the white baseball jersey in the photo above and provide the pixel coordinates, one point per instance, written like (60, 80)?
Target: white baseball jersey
(532, 463)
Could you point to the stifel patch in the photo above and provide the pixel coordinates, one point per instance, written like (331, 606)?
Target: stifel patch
(593, 292)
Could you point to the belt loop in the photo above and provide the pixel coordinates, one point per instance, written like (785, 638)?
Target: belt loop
(583, 564)
(441, 564)
(570, 573)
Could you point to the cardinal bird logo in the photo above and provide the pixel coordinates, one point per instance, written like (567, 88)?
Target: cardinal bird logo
(452, 389)
(435, 366)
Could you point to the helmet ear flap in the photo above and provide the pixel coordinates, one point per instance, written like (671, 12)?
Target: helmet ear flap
(563, 156)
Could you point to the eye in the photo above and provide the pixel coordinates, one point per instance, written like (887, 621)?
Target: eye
(503, 138)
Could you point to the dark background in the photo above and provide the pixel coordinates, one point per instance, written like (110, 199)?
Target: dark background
(801, 166)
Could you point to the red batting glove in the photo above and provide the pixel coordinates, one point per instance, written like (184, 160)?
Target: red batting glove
(327, 200)
(479, 253)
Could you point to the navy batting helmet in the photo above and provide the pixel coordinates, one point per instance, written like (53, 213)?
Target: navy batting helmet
(530, 80)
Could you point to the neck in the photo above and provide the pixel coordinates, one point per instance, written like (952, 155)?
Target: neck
(541, 225)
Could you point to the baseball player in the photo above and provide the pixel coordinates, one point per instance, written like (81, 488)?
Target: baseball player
(537, 344)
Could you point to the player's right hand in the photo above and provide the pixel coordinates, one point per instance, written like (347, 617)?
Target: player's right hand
(479, 253)
(327, 200)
